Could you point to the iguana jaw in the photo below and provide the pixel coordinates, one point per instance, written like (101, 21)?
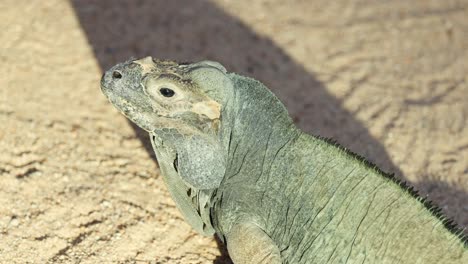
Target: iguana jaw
(144, 120)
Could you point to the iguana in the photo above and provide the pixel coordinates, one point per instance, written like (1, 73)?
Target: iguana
(237, 166)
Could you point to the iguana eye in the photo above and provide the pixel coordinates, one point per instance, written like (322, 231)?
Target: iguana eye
(166, 92)
(116, 75)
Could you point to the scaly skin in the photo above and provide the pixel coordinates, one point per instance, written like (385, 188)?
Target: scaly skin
(237, 166)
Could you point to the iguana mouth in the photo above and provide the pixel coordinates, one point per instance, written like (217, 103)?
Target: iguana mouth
(138, 117)
(124, 106)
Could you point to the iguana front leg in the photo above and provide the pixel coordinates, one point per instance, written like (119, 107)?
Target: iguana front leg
(248, 243)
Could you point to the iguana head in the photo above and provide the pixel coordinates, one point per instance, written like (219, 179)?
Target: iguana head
(181, 105)
(157, 94)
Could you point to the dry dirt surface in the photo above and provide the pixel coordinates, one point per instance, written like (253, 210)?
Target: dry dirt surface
(78, 183)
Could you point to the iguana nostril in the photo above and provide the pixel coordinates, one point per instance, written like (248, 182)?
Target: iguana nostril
(116, 75)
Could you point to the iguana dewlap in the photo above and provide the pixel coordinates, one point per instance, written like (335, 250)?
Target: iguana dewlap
(237, 166)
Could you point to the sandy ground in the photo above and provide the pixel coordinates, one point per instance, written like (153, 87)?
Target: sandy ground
(80, 184)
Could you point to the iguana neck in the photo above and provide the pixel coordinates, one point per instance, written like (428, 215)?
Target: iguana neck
(255, 126)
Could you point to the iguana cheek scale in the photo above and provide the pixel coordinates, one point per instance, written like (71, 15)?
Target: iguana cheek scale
(237, 166)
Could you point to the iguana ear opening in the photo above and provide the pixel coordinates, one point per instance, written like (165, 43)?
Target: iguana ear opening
(200, 162)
